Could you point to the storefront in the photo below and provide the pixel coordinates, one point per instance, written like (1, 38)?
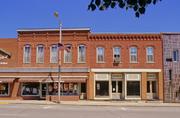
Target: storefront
(127, 86)
(5, 87)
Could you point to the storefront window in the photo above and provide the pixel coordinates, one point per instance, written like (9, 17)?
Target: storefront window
(30, 89)
(69, 89)
(102, 88)
(4, 89)
(133, 88)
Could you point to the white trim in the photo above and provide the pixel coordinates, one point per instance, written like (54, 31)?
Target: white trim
(50, 58)
(37, 53)
(44, 76)
(119, 53)
(97, 61)
(53, 29)
(78, 59)
(124, 70)
(24, 62)
(133, 55)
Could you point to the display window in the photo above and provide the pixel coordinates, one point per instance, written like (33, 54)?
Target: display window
(4, 89)
(30, 89)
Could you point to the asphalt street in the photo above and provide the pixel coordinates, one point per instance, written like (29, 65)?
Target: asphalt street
(69, 111)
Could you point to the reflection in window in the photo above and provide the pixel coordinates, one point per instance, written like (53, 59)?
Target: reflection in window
(150, 54)
(100, 54)
(40, 54)
(175, 55)
(30, 89)
(4, 89)
(117, 54)
(133, 54)
(68, 54)
(27, 54)
(54, 54)
(81, 54)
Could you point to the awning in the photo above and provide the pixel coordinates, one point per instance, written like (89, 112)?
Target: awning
(31, 79)
(6, 80)
(69, 79)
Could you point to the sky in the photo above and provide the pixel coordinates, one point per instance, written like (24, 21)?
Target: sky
(18, 14)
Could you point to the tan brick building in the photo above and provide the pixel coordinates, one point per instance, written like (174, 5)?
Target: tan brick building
(97, 66)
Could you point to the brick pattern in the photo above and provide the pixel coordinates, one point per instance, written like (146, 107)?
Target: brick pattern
(171, 91)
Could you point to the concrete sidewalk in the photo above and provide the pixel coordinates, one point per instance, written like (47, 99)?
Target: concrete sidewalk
(94, 103)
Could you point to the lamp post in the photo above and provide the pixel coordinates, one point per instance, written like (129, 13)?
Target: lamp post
(56, 14)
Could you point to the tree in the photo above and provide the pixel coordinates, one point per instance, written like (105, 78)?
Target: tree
(138, 6)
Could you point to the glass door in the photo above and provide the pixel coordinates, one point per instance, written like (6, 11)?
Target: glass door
(43, 89)
(151, 89)
(116, 90)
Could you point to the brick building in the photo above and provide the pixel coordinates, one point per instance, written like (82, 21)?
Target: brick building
(97, 66)
(171, 49)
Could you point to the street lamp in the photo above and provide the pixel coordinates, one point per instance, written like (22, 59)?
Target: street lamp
(56, 14)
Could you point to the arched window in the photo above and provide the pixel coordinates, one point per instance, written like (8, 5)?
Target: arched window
(133, 54)
(68, 54)
(150, 54)
(40, 54)
(54, 54)
(81, 54)
(27, 54)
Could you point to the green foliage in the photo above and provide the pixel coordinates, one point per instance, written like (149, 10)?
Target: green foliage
(138, 6)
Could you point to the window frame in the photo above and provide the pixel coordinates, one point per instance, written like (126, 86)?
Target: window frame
(53, 45)
(119, 53)
(133, 54)
(24, 58)
(1, 95)
(176, 51)
(78, 60)
(97, 61)
(26, 84)
(148, 61)
(65, 52)
(39, 45)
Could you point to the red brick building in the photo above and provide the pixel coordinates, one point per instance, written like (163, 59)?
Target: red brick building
(97, 66)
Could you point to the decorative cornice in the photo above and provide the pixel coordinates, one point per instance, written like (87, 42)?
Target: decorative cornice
(125, 36)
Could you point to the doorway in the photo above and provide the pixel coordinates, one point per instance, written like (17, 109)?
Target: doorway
(151, 89)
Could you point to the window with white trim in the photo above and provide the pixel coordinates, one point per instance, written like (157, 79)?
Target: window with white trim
(40, 54)
(175, 55)
(116, 54)
(133, 54)
(27, 54)
(68, 54)
(100, 54)
(150, 54)
(54, 54)
(4, 89)
(81, 54)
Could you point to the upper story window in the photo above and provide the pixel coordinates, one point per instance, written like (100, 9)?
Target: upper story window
(150, 54)
(68, 54)
(100, 54)
(116, 54)
(133, 55)
(54, 54)
(40, 54)
(81, 54)
(27, 54)
(175, 55)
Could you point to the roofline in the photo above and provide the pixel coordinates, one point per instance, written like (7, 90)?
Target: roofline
(170, 33)
(52, 29)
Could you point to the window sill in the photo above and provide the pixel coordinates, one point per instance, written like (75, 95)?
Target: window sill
(100, 62)
(134, 62)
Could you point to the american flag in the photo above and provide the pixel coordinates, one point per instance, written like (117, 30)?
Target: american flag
(62, 47)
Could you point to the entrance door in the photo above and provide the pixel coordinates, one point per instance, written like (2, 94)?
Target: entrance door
(116, 90)
(43, 88)
(151, 89)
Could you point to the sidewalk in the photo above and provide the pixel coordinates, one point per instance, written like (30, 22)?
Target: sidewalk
(94, 103)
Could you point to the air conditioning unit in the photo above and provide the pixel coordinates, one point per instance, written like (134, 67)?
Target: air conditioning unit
(116, 60)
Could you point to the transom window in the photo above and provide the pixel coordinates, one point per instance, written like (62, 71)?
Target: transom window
(175, 55)
(117, 54)
(40, 54)
(68, 54)
(133, 55)
(27, 54)
(100, 54)
(150, 54)
(81, 54)
(54, 54)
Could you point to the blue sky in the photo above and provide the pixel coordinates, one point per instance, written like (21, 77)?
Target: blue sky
(14, 14)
